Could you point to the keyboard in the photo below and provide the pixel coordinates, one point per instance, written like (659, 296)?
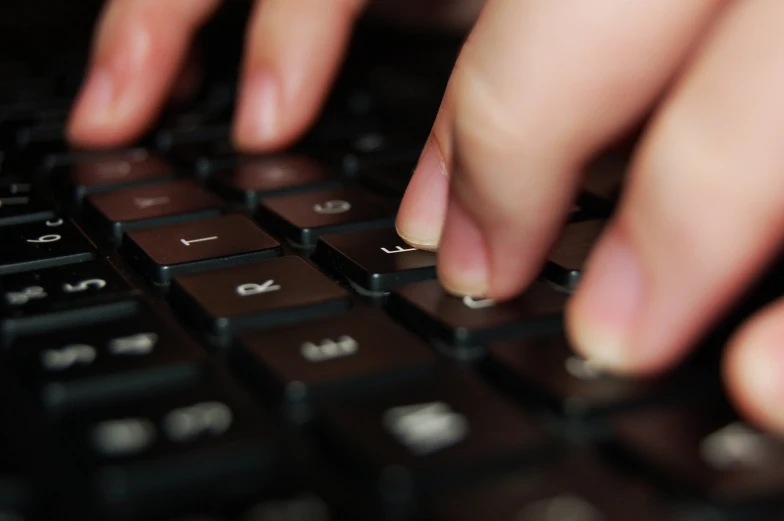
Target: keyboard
(193, 334)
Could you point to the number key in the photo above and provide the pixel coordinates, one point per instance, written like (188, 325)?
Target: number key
(63, 297)
(170, 251)
(42, 244)
(104, 362)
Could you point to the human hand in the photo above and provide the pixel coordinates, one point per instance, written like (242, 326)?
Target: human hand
(539, 88)
(293, 50)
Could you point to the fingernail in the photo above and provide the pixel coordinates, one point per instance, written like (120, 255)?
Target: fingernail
(423, 208)
(96, 102)
(462, 255)
(605, 307)
(259, 108)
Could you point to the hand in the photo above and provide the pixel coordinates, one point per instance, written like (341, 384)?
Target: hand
(294, 48)
(539, 88)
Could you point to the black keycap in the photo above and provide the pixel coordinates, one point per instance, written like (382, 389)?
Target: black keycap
(580, 488)
(393, 179)
(438, 315)
(169, 251)
(103, 173)
(15, 490)
(145, 206)
(375, 260)
(430, 432)
(545, 366)
(252, 178)
(302, 218)
(337, 355)
(374, 149)
(105, 362)
(162, 455)
(266, 293)
(20, 203)
(43, 244)
(706, 451)
(61, 297)
(589, 207)
(566, 261)
(45, 137)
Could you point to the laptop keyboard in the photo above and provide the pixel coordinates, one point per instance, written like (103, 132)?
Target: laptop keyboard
(192, 334)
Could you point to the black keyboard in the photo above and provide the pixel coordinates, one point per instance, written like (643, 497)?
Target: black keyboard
(192, 334)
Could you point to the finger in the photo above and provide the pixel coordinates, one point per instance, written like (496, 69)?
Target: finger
(754, 368)
(702, 214)
(140, 47)
(294, 48)
(534, 97)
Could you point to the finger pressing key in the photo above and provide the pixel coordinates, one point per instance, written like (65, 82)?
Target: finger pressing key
(139, 50)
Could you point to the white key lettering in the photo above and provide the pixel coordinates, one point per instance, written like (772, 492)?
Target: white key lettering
(84, 285)
(20, 298)
(370, 142)
(478, 304)
(123, 437)
(67, 357)
(207, 418)
(52, 223)
(329, 349)
(45, 238)
(134, 345)
(246, 290)
(426, 428)
(736, 447)
(332, 207)
(145, 202)
(398, 249)
(193, 241)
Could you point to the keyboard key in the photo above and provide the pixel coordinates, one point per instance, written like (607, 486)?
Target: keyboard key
(545, 366)
(146, 206)
(169, 251)
(20, 203)
(578, 489)
(372, 150)
(393, 179)
(92, 175)
(705, 451)
(428, 433)
(43, 244)
(253, 178)
(162, 455)
(271, 292)
(105, 362)
(61, 297)
(437, 315)
(375, 260)
(344, 354)
(590, 207)
(566, 261)
(303, 218)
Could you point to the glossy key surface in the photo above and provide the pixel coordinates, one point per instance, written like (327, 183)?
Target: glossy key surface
(106, 362)
(64, 296)
(145, 206)
(303, 218)
(42, 244)
(429, 309)
(336, 356)
(21, 203)
(375, 260)
(566, 261)
(168, 251)
(261, 294)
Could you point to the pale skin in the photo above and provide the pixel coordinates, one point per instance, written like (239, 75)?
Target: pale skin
(539, 88)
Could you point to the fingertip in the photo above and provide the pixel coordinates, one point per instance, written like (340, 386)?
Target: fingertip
(754, 369)
(462, 254)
